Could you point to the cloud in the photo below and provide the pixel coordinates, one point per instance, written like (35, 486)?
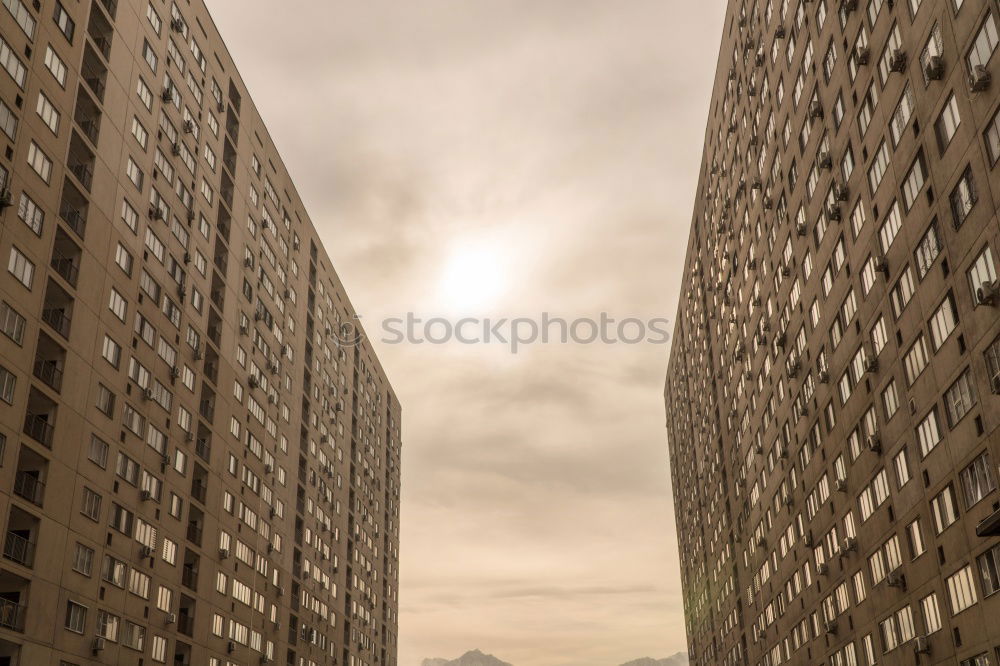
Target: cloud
(536, 505)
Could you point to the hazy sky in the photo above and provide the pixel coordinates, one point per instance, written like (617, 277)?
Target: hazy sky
(505, 158)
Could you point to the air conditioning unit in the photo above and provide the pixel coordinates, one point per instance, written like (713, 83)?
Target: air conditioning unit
(177, 25)
(175, 149)
(98, 644)
(979, 79)
(840, 485)
(147, 394)
(188, 436)
(244, 329)
(841, 192)
(252, 382)
(221, 107)
(187, 255)
(268, 468)
(146, 551)
(824, 160)
(793, 368)
(6, 199)
(230, 647)
(273, 399)
(897, 61)
(198, 354)
(223, 553)
(988, 293)
(830, 627)
(934, 68)
(188, 127)
(786, 271)
(171, 618)
(761, 541)
(761, 339)
(800, 228)
(167, 95)
(871, 363)
(181, 291)
(768, 204)
(824, 376)
(145, 495)
(896, 579)
(280, 591)
(833, 213)
(881, 265)
(807, 539)
(788, 500)
(849, 544)
(874, 443)
(922, 645)
(864, 54)
(822, 568)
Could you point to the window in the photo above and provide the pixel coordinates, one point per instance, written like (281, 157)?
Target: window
(47, 112)
(12, 64)
(21, 267)
(153, 18)
(98, 452)
(134, 173)
(932, 616)
(902, 292)
(111, 351)
(139, 132)
(989, 570)
(915, 360)
(902, 468)
(91, 506)
(947, 123)
(29, 213)
(64, 22)
(55, 65)
(914, 181)
(123, 259)
(890, 228)
(960, 398)
(39, 162)
(901, 116)
(981, 272)
(105, 400)
(145, 94)
(133, 636)
(890, 400)
(933, 47)
(928, 433)
(878, 166)
(83, 559)
(943, 509)
(117, 304)
(943, 322)
(978, 480)
(8, 382)
(962, 590)
(915, 538)
(149, 55)
(76, 617)
(11, 323)
(114, 571)
(963, 198)
(985, 43)
(927, 250)
(8, 121)
(992, 136)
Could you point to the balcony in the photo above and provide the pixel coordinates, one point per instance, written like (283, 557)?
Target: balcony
(93, 72)
(49, 361)
(10, 653)
(199, 483)
(40, 418)
(28, 486)
(13, 601)
(66, 257)
(111, 7)
(57, 309)
(100, 31)
(19, 542)
(80, 161)
(18, 548)
(73, 206)
(87, 115)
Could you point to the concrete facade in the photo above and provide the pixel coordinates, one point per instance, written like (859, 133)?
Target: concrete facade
(195, 468)
(832, 397)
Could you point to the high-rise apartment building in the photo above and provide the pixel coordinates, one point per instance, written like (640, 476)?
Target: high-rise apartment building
(832, 398)
(193, 470)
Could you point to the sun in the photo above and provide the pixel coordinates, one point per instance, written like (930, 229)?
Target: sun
(475, 276)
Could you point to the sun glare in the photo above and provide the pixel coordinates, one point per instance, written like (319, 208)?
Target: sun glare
(474, 277)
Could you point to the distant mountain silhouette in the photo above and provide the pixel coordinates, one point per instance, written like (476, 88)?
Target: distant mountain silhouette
(679, 659)
(471, 658)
